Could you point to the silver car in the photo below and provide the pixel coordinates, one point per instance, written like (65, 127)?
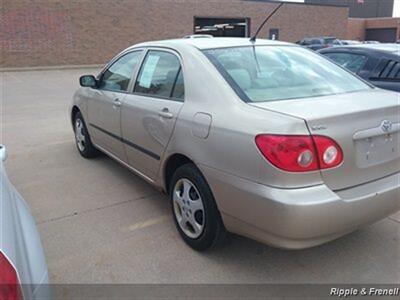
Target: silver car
(23, 270)
(267, 139)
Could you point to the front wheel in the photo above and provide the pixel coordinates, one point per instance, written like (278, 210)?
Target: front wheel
(194, 209)
(82, 138)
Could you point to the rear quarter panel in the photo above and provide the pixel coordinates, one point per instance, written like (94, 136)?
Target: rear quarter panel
(230, 145)
(19, 238)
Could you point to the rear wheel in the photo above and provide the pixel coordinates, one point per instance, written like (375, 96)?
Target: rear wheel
(195, 213)
(82, 138)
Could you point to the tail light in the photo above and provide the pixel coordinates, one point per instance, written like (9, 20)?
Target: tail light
(9, 283)
(300, 153)
(329, 152)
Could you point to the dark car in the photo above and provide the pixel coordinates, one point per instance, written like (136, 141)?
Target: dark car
(377, 63)
(317, 43)
(348, 42)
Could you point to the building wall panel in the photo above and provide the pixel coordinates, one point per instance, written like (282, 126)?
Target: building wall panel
(74, 32)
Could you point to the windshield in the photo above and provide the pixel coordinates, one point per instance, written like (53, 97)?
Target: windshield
(268, 73)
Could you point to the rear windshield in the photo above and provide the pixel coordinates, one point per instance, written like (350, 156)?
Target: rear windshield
(269, 73)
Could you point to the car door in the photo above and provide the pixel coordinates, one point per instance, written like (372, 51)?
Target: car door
(149, 114)
(104, 107)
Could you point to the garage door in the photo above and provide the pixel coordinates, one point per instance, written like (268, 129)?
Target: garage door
(383, 35)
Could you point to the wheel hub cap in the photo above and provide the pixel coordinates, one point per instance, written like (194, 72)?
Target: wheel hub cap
(79, 136)
(188, 208)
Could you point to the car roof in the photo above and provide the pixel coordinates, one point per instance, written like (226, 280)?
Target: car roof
(389, 48)
(210, 43)
(320, 37)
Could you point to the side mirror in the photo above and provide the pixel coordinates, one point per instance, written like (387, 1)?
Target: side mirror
(3, 153)
(88, 81)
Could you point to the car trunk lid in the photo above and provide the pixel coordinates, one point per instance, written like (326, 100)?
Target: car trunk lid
(365, 124)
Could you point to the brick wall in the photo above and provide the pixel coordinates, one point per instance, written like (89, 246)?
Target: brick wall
(59, 32)
(383, 23)
(357, 27)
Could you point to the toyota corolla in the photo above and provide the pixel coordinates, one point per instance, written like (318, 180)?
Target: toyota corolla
(260, 138)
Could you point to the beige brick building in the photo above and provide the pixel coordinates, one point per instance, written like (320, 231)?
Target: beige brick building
(71, 32)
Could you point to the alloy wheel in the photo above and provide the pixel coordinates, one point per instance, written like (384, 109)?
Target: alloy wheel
(79, 135)
(188, 208)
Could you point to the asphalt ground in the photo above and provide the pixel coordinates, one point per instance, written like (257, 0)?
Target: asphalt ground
(99, 223)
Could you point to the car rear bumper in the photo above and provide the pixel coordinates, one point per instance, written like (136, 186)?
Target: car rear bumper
(302, 217)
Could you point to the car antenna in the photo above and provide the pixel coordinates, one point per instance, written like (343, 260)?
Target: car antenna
(253, 38)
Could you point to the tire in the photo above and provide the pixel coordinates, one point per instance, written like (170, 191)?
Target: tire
(195, 212)
(82, 138)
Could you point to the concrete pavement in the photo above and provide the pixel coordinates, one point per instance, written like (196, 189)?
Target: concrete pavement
(100, 223)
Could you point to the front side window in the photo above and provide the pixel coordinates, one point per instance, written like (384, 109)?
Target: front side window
(161, 76)
(351, 61)
(269, 73)
(117, 77)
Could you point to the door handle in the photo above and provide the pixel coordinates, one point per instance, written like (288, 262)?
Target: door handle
(117, 102)
(165, 114)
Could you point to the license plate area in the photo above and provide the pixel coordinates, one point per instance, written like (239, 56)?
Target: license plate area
(377, 150)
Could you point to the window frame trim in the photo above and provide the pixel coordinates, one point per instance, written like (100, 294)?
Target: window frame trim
(143, 59)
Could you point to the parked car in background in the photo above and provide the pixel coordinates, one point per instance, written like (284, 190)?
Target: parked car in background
(23, 270)
(371, 42)
(377, 63)
(347, 42)
(261, 138)
(317, 43)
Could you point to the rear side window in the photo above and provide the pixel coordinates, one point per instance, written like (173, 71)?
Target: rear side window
(391, 70)
(179, 89)
(160, 76)
(351, 61)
